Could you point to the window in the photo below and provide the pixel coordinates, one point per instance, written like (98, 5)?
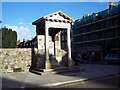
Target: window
(65, 37)
(71, 39)
(62, 31)
(62, 37)
(65, 45)
(62, 45)
(113, 33)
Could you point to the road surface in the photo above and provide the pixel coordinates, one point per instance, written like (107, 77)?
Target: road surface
(105, 82)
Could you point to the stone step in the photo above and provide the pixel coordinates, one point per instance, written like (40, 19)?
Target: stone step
(36, 72)
(50, 70)
(37, 69)
(62, 71)
(57, 71)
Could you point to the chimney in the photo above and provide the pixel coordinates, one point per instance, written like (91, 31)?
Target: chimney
(94, 13)
(111, 4)
(19, 40)
(84, 15)
(88, 14)
(23, 40)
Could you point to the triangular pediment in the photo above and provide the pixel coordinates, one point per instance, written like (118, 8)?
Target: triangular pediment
(59, 15)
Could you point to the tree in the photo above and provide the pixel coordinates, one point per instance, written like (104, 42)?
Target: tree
(9, 38)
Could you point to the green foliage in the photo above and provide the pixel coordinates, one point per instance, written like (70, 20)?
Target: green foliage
(9, 38)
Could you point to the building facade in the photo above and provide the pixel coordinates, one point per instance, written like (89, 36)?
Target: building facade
(98, 33)
(28, 43)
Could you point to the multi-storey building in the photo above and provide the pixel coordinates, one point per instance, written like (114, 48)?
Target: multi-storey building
(99, 33)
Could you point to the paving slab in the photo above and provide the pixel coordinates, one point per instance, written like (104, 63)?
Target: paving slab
(28, 79)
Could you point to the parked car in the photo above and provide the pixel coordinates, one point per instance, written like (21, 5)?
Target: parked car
(112, 58)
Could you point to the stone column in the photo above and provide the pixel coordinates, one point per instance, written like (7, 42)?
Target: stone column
(71, 63)
(47, 62)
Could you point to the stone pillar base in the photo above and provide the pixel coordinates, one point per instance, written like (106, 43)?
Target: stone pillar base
(71, 63)
(48, 65)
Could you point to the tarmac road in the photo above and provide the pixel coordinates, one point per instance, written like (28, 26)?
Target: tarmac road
(105, 82)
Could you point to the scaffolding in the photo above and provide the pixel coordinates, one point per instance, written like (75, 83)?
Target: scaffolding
(91, 31)
(97, 16)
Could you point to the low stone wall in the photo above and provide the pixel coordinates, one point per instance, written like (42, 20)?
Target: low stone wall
(15, 60)
(21, 59)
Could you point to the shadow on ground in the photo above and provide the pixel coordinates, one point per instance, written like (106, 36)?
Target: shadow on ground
(91, 71)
